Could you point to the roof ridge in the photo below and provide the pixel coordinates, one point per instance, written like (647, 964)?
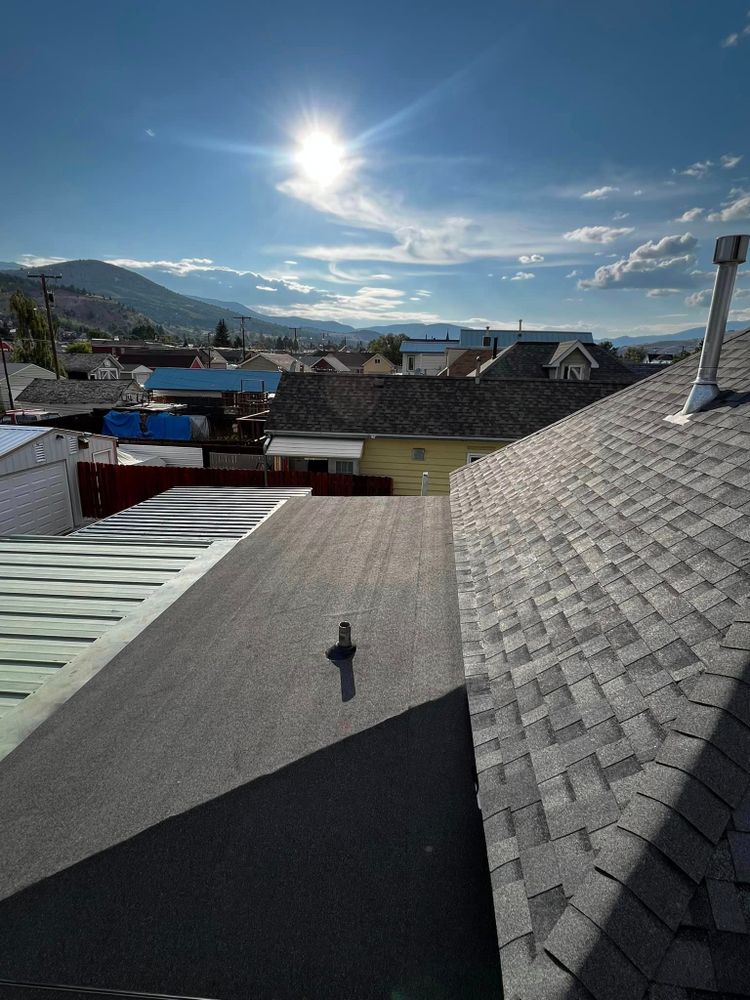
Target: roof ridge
(659, 851)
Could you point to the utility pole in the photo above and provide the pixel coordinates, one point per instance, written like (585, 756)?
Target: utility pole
(43, 278)
(7, 376)
(242, 328)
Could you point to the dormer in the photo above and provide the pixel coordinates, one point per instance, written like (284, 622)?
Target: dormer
(571, 362)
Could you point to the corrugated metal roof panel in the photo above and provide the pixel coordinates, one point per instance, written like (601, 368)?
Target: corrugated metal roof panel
(297, 447)
(58, 595)
(203, 512)
(212, 380)
(12, 436)
(427, 346)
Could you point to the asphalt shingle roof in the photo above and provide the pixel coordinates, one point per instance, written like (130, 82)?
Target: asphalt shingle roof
(603, 578)
(75, 390)
(425, 405)
(86, 362)
(527, 360)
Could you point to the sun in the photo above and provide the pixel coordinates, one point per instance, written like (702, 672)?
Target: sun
(321, 158)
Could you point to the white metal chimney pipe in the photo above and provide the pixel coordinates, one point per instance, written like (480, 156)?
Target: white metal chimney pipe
(730, 252)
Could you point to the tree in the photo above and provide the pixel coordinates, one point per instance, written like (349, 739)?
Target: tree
(144, 331)
(237, 342)
(221, 334)
(635, 354)
(80, 347)
(32, 337)
(607, 345)
(389, 345)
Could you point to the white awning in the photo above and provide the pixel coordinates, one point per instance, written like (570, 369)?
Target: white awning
(295, 447)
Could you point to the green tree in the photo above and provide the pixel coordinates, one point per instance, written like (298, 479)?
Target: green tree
(389, 345)
(608, 346)
(237, 342)
(221, 334)
(80, 347)
(32, 337)
(635, 354)
(144, 331)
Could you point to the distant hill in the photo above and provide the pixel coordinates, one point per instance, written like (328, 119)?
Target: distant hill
(177, 313)
(75, 310)
(418, 331)
(671, 339)
(308, 327)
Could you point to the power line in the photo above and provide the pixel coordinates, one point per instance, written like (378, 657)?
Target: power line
(48, 307)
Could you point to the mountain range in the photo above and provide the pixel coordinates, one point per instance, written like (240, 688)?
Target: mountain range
(115, 299)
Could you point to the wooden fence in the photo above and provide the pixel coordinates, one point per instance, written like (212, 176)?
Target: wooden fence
(107, 489)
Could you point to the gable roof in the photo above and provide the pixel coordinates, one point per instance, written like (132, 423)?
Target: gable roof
(531, 360)
(212, 380)
(175, 358)
(278, 359)
(87, 362)
(427, 406)
(466, 362)
(65, 390)
(603, 579)
(348, 360)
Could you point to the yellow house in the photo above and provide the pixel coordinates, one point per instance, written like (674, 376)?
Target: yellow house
(403, 427)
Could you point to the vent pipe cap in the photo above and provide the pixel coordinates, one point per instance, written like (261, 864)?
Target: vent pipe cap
(731, 249)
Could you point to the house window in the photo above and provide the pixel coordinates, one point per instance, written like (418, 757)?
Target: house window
(485, 341)
(474, 456)
(410, 363)
(573, 373)
(377, 361)
(417, 454)
(344, 468)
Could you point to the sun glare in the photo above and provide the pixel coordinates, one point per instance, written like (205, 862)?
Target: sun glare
(321, 158)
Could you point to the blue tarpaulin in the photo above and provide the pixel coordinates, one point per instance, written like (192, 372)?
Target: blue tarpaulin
(120, 424)
(168, 427)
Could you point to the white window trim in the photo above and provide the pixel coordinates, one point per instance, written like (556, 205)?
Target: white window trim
(354, 462)
(567, 369)
(474, 456)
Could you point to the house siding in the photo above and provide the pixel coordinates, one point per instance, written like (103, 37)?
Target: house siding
(392, 457)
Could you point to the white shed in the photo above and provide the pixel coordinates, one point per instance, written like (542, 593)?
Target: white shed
(39, 491)
(20, 374)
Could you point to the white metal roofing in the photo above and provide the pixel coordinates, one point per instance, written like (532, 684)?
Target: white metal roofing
(297, 447)
(59, 594)
(188, 512)
(12, 436)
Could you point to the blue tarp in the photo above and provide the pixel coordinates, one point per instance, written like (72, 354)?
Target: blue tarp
(168, 427)
(118, 424)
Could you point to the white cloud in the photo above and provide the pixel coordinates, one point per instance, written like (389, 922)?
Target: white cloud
(699, 169)
(266, 288)
(523, 276)
(530, 258)
(619, 216)
(597, 234)
(738, 207)
(661, 264)
(736, 37)
(150, 132)
(701, 298)
(573, 274)
(32, 260)
(728, 161)
(658, 293)
(690, 215)
(597, 194)
(638, 192)
(367, 304)
(291, 263)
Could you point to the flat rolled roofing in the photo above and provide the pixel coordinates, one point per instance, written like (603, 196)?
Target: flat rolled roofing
(196, 512)
(303, 447)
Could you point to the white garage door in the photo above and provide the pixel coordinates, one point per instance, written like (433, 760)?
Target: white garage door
(36, 501)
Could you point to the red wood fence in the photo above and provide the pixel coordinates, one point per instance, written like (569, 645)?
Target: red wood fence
(107, 489)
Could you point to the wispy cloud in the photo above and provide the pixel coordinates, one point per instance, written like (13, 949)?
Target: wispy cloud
(597, 234)
(33, 260)
(699, 170)
(364, 306)
(572, 274)
(150, 132)
(736, 37)
(701, 298)
(662, 264)
(619, 216)
(266, 288)
(519, 276)
(530, 258)
(291, 263)
(736, 207)
(598, 194)
(658, 293)
(728, 161)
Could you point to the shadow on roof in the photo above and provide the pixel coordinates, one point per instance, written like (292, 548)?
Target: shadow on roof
(344, 874)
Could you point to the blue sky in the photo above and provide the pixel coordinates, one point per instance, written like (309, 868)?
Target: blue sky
(570, 164)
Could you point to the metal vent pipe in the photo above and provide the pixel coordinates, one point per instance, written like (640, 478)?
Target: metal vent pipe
(730, 252)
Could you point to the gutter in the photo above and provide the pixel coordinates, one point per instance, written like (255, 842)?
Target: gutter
(372, 437)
